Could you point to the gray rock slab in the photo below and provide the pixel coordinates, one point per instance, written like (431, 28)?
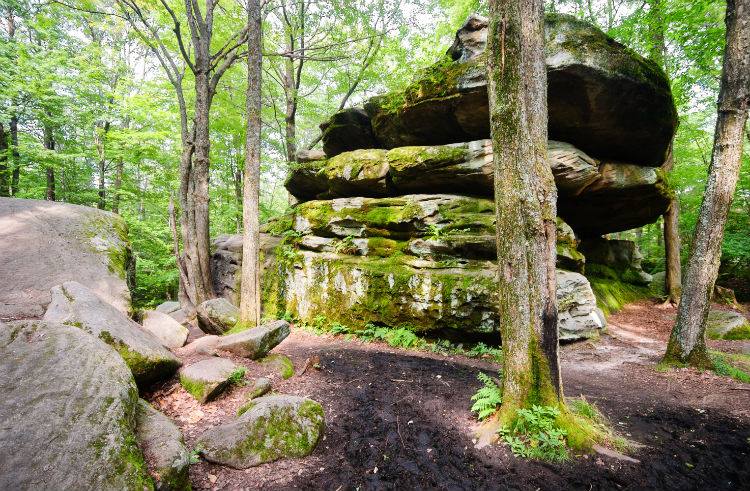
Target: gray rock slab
(724, 324)
(275, 427)
(163, 447)
(171, 333)
(68, 411)
(168, 307)
(75, 305)
(256, 342)
(206, 379)
(217, 316)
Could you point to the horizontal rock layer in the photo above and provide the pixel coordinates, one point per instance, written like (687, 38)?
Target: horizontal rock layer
(602, 97)
(593, 197)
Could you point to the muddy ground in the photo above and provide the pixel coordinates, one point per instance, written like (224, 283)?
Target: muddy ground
(398, 419)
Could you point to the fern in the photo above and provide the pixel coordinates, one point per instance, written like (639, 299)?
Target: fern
(487, 399)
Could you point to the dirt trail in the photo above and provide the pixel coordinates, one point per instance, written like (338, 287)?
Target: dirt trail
(399, 419)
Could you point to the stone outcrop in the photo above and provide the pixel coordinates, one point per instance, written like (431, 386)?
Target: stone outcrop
(73, 304)
(602, 97)
(614, 259)
(274, 427)
(256, 342)
(165, 328)
(723, 324)
(164, 451)
(594, 197)
(206, 379)
(46, 244)
(226, 261)
(68, 412)
(217, 316)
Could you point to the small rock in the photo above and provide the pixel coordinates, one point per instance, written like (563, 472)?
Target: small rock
(168, 307)
(163, 448)
(275, 427)
(206, 379)
(279, 364)
(614, 454)
(206, 351)
(171, 333)
(256, 342)
(217, 316)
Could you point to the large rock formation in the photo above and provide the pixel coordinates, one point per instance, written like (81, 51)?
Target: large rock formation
(68, 412)
(45, 244)
(602, 97)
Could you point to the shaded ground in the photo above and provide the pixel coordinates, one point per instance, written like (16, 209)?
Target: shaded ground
(399, 419)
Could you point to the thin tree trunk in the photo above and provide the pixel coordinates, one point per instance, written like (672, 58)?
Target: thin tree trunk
(118, 185)
(16, 173)
(525, 199)
(49, 144)
(687, 343)
(673, 278)
(250, 281)
(4, 185)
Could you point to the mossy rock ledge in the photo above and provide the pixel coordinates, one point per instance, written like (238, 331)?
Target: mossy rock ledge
(724, 324)
(602, 97)
(68, 411)
(275, 427)
(206, 379)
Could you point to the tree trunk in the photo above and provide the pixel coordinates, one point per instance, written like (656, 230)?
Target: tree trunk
(49, 144)
(16, 173)
(673, 277)
(687, 343)
(250, 282)
(525, 198)
(4, 185)
(118, 185)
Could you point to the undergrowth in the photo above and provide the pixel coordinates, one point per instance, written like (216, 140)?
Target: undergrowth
(238, 376)
(731, 365)
(487, 399)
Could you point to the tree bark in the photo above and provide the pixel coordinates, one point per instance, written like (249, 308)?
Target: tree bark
(4, 185)
(118, 185)
(250, 280)
(16, 172)
(49, 144)
(525, 199)
(673, 277)
(687, 343)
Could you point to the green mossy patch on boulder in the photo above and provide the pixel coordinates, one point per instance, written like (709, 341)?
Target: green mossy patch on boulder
(280, 364)
(612, 294)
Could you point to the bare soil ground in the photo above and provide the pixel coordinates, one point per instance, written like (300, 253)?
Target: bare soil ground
(398, 419)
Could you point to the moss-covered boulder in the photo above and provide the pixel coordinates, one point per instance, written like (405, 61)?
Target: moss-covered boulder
(603, 97)
(346, 130)
(43, 244)
(723, 324)
(615, 260)
(274, 427)
(217, 316)
(75, 305)
(278, 364)
(206, 379)
(164, 451)
(68, 412)
(256, 342)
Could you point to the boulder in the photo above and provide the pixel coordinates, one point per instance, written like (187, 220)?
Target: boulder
(597, 198)
(568, 256)
(602, 97)
(47, 243)
(723, 324)
(168, 307)
(348, 129)
(278, 364)
(227, 258)
(309, 155)
(256, 342)
(577, 313)
(68, 412)
(275, 427)
(73, 304)
(180, 316)
(166, 329)
(206, 379)
(217, 316)
(614, 259)
(164, 451)
(260, 387)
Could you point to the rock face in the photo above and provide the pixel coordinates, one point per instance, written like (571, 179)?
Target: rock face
(217, 316)
(46, 244)
(576, 318)
(206, 379)
(165, 328)
(727, 325)
(593, 197)
(614, 259)
(164, 450)
(68, 412)
(346, 130)
(75, 305)
(602, 97)
(275, 427)
(256, 342)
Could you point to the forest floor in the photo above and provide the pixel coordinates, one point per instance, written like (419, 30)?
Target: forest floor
(398, 419)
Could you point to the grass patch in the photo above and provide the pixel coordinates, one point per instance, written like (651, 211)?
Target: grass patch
(731, 365)
(238, 377)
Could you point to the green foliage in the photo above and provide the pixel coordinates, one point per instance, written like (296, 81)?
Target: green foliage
(728, 365)
(194, 458)
(487, 399)
(401, 337)
(238, 376)
(536, 434)
(481, 350)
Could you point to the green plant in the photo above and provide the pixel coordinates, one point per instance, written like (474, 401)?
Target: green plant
(338, 328)
(724, 368)
(488, 398)
(401, 337)
(194, 459)
(346, 245)
(237, 376)
(535, 434)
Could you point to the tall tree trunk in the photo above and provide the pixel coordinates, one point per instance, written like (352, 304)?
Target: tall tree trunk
(16, 166)
(49, 144)
(250, 281)
(673, 278)
(525, 200)
(4, 185)
(687, 343)
(118, 185)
